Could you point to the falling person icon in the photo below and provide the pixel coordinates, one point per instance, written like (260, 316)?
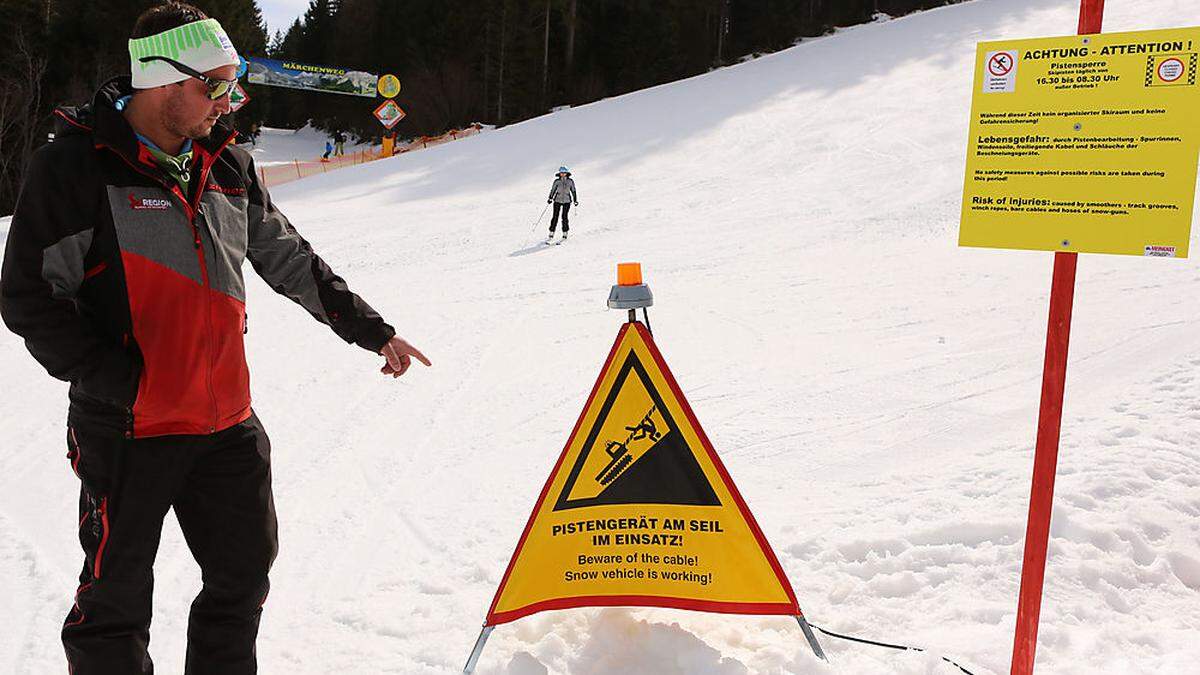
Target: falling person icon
(645, 429)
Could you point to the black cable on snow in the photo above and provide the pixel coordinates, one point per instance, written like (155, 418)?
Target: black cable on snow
(883, 644)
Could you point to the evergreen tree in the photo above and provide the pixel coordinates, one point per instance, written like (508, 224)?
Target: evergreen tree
(491, 61)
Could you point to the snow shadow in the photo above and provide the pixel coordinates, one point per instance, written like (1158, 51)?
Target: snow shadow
(535, 247)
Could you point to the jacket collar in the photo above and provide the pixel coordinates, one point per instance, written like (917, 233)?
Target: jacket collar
(110, 128)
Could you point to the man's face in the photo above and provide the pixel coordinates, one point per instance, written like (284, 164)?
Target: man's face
(189, 112)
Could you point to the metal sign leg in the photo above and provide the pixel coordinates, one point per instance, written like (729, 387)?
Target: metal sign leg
(812, 638)
(479, 643)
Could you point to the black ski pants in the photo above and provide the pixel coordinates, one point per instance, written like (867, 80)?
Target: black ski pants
(220, 488)
(566, 210)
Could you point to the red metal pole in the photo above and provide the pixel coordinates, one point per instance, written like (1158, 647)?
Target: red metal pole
(1045, 460)
(1091, 16)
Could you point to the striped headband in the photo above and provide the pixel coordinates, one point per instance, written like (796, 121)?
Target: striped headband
(202, 45)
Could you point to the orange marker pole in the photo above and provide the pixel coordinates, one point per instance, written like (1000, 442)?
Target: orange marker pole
(1045, 460)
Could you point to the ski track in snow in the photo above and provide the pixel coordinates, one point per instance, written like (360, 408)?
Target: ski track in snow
(871, 387)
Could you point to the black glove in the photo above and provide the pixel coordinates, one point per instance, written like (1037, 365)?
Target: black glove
(547, 201)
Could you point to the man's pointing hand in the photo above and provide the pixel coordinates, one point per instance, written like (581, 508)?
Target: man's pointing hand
(399, 355)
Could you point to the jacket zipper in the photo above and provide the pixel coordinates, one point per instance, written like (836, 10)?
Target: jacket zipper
(212, 395)
(200, 188)
(190, 210)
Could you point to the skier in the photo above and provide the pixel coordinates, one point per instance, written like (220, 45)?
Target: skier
(562, 194)
(339, 143)
(123, 274)
(328, 149)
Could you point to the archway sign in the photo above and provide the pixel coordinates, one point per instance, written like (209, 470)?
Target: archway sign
(639, 510)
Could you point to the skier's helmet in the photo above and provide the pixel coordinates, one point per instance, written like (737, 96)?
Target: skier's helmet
(562, 170)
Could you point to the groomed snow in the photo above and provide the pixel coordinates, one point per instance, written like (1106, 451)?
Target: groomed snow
(871, 387)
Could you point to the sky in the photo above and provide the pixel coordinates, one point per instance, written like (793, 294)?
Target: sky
(279, 14)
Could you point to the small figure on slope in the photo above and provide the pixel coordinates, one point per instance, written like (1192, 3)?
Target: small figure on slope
(562, 194)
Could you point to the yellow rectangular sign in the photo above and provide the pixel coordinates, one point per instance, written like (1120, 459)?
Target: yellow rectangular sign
(1086, 143)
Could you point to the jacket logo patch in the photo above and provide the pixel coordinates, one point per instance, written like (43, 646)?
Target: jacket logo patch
(237, 191)
(147, 204)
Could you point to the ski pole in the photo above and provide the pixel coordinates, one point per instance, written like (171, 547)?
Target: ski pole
(539, 219)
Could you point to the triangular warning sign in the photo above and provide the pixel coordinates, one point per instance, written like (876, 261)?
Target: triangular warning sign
(639, 510)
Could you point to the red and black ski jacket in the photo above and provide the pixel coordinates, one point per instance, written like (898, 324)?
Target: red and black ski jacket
(132, 290)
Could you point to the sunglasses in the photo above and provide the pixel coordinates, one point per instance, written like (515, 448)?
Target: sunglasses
(217, 89)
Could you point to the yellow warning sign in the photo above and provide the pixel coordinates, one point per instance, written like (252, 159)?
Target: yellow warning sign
(388, 86)
(1086, 143)
(640, 511)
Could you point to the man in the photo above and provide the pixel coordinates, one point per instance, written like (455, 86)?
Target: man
(123, 275)
(562, 193)
(339, 143)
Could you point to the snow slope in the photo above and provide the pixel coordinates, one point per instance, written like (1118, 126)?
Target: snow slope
(871, 387)
(283, 146)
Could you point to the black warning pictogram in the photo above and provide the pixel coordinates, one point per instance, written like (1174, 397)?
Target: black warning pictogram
(619, 452)
(650, 462)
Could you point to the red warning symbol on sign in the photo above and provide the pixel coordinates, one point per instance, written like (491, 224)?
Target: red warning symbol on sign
(1000, 64)
(1171, 70)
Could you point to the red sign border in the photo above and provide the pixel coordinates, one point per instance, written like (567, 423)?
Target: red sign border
(1010, 66)
(1176, 59)
(245, 99)
(383, 105)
